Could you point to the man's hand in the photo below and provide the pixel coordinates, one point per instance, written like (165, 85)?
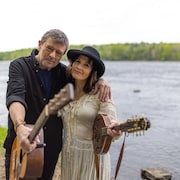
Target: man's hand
(105, 90)
(22, 135)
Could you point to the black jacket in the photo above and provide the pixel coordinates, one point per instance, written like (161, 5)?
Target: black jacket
(25, 86)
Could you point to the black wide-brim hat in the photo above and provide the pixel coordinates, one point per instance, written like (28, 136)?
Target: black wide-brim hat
(90, 52)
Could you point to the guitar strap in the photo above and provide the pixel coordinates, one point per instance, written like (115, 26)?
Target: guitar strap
(107, 123)
(120, 157)
(118, 162)
(96, 158)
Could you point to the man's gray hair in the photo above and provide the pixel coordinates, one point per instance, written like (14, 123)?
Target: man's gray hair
(57, 35)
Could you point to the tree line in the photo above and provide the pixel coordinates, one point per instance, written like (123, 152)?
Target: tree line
(120, 52)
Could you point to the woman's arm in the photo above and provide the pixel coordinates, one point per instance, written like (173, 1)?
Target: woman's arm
(109, 108)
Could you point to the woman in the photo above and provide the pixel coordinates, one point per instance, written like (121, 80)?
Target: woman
(78, 162)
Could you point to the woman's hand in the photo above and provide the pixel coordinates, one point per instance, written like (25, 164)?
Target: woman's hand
(112, 132)
(105, 90)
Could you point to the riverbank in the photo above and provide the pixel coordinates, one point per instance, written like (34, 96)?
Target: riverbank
(2, 167)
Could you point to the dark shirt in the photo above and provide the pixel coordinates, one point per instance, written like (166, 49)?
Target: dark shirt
(25, 86)
(45, 77)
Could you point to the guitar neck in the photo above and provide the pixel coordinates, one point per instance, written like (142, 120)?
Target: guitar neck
(39, 123)
(124, 127)
(65, 95)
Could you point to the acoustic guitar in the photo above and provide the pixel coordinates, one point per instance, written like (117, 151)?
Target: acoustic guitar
(29, 166)
(102, 141)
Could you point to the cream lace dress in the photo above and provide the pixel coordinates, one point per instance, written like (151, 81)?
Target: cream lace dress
(77, 154)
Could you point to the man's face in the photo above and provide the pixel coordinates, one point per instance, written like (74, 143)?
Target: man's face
(50, 53)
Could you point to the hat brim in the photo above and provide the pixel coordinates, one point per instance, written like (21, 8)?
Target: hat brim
(73, 54)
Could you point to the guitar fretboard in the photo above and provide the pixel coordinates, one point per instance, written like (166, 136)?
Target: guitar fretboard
(130, 126)
(61, 99)
(39, 123)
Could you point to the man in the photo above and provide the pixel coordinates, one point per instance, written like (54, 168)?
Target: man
(33, 80)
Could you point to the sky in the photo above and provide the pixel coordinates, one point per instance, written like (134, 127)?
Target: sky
(23, 22)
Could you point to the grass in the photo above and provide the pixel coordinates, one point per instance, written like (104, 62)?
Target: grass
(3, 132)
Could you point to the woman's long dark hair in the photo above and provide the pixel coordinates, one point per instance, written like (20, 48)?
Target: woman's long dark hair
(91, 81)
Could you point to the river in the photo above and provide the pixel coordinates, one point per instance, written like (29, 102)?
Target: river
(149, 89)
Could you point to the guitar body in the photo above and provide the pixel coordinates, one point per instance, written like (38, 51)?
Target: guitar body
(101, 142)
(26, 166)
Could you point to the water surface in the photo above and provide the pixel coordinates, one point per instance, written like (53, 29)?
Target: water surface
(150, 89)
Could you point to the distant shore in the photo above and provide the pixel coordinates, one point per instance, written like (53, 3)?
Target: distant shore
(119, 52)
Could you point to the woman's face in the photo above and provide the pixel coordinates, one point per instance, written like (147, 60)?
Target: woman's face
(81, 68)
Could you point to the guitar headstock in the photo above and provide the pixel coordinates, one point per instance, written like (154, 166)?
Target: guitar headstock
(135, 124)
(64, 96)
